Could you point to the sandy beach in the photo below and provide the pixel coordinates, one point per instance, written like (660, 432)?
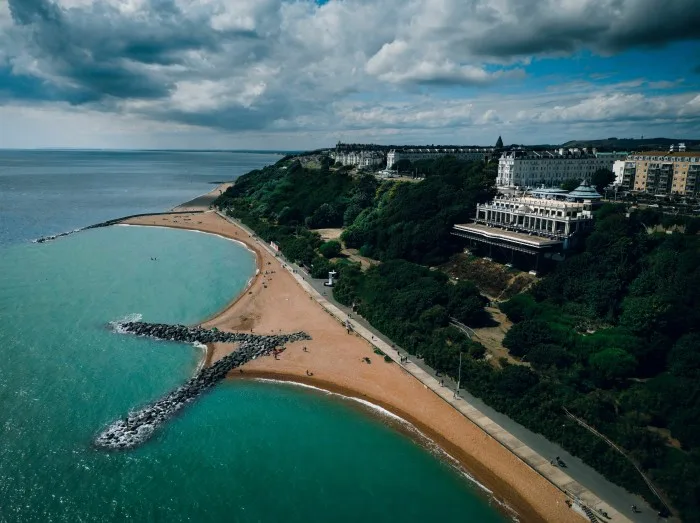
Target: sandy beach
(203, 201)
(334, 360)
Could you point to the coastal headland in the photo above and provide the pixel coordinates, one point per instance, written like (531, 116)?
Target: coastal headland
(338, 361)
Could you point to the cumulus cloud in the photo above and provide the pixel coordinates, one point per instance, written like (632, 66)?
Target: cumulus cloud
(280, 66)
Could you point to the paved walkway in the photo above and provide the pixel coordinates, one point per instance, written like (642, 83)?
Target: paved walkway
(617, 500)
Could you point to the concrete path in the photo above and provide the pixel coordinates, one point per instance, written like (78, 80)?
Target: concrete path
(598, 494)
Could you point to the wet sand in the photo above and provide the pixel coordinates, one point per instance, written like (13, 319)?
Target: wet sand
(333, 360)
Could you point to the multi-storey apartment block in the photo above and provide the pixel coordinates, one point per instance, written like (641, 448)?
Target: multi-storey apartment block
(531, 168)
(662, 173)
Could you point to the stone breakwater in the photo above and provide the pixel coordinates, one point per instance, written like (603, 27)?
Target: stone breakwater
(163, 331)
(140, 425)
(108, 223)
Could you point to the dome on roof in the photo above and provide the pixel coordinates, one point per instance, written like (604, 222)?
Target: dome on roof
(584, 192)
(524, 209)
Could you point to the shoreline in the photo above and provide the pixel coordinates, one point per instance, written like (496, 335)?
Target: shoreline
(430, 440)
(337, 360)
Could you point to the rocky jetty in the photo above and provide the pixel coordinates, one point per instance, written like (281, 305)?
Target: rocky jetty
(108, 223)
(140, 425)
(186, 334)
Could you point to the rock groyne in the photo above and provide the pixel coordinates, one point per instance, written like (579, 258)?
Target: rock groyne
(140, 425)
(108, 223)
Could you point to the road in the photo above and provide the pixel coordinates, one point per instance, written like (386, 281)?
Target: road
(578, 479)
(612, 494)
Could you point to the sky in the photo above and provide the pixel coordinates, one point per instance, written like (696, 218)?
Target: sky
(303, 74)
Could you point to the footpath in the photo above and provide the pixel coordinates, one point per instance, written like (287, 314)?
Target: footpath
(583, 500)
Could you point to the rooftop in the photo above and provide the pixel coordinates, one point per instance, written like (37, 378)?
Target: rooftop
(667, 153)
(584, 192)
(529, 240)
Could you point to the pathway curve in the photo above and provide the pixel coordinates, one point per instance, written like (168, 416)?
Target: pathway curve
(611, 498)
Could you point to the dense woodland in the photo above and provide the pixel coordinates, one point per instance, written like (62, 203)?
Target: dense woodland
(611, 334)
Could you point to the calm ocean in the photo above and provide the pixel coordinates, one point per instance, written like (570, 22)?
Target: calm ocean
(246, 452)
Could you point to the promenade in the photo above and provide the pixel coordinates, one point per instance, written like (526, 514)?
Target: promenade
(611, 499)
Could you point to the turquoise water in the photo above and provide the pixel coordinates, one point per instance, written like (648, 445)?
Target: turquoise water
(248, 451)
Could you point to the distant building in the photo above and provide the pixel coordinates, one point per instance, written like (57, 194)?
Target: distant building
(530, 168)
(545, 222)
(430, 153)
(360, 158)
(663, 173)
(619, 171)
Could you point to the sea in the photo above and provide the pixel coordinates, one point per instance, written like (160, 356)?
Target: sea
(248, 451)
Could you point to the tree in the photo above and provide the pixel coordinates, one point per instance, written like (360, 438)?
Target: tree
(611, 364)
(601, 179)
(547, 355)
(325, 216)
(330, 249)
(516, 380)
(526, 335)
(570, 185)
(320, 267)
(684, 358)
(642, 314)
(520, 307)
(403, 166)
(499, 143)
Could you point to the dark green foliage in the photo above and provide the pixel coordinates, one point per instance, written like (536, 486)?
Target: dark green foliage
(684, 358)
(403, 166)
(330, 249)
(413, 221)
(547, 355)
(601, 179)
(612, 364)
(326, 215)
(525, 336)
(499, 143)
(612, 334)
(516, 380)
(640, 293)
(570, 185)
(411, 304)
(520, 307)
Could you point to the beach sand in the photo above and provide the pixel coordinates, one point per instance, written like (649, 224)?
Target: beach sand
(275, 302)
(202, 202)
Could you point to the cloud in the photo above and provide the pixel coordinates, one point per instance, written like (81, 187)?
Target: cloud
(279, 66)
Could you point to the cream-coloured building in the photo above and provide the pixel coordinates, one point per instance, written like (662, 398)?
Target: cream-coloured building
(674, 172)
(360, 158)
(547, 222)
(429, 153)
(531, 168)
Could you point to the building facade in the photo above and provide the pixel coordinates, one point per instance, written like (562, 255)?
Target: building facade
(544, 223)
(361, 158)
(430, 153)
(531, 168)
(619, 171)
(663, 173)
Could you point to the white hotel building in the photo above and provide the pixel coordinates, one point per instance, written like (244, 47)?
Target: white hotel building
(532, 168)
